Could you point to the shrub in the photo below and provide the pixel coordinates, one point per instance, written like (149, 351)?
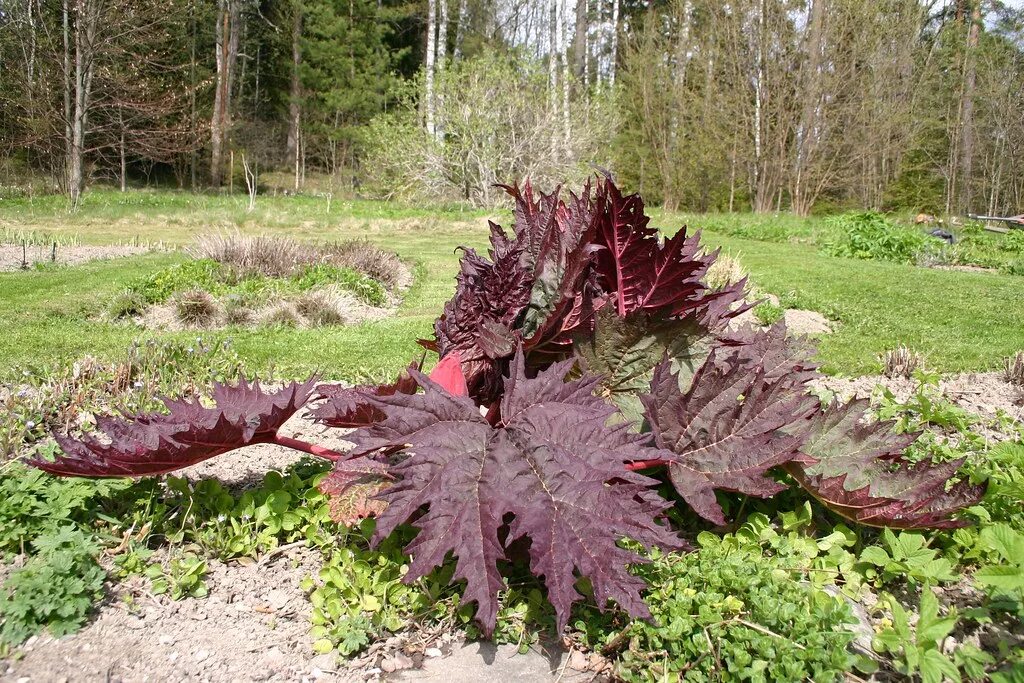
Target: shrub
(161, 286)
(498, 123)
(323, 275)
(870, 235)
(195, 308)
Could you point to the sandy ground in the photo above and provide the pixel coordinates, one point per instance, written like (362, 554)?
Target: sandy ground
(981, 393)
(11, 255)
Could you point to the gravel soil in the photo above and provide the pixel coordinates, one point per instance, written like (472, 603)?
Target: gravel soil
(981, 393)
(11, 255)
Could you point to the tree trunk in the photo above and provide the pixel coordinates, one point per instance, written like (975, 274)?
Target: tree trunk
(439, 66)
(614, 59)
(579, 42)
(553, 56)
(428, 99)
(124, 164)
(295, 97)
(67, 95)
(460, 28)
(967, 109)
(562, 50)
(86, 22)
(228, 36)
(807, 132)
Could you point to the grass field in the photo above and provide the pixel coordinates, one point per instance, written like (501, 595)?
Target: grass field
(958, 320)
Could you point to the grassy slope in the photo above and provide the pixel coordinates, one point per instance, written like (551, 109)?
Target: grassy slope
(961, 320)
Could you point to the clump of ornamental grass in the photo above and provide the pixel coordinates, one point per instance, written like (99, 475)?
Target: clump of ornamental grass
(126, 304)
(573, 329)
(383, 266)
(900, 362)
(237, 311)
(323, 307)
(282, 314)
(195, 308)
(726, 270)
(249, 255)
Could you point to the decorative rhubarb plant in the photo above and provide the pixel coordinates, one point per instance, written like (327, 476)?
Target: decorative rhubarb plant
(583, 366)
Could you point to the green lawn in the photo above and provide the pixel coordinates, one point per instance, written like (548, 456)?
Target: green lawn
(961, 321)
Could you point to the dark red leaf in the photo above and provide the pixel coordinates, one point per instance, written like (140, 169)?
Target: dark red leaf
(552, 463)
(344, 407)
(859, 472)
(644, 272)
(156, 443)
(725, 431)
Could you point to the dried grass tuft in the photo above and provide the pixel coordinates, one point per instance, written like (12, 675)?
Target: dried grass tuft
(1013, 369)
(195, 308)
(901, 362)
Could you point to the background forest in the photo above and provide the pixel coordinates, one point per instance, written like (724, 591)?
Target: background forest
(701, 105)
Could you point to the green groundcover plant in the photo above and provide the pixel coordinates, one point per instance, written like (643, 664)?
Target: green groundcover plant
(585, 372)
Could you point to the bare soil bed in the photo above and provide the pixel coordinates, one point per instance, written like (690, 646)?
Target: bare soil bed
(11, 254)
(981, 393)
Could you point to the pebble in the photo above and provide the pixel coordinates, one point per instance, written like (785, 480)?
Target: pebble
(201, 655)
(578, 661)
(277, 598)
(325, 661)
(432, 652)
(166, 639)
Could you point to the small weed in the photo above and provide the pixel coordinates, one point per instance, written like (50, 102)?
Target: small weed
(917, 650)
(768, 314)
(55, 590)
(905, 556)
(1005, 581)
(183, 579)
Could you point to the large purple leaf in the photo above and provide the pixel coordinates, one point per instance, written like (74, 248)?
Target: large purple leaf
(551, 463)
(726, 430)
(780, 355)
(155, 443)
(345, 407)
(857, 470)
(645, 272)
